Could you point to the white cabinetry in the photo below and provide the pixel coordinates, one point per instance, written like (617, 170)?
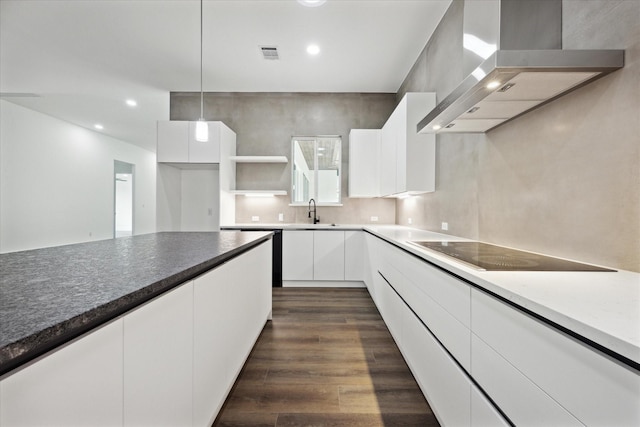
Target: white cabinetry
(322, 258)
(177, 143)
(297, 255)
(558, 375)
(354, 255)
(237, 293)
(79, 385)
(407, 158)
(328, 255)
(428, 314)
(195, 180)
(158, 361)
(479, 359)
(364, 163)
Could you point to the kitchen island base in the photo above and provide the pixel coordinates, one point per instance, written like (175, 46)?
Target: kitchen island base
(171, 361)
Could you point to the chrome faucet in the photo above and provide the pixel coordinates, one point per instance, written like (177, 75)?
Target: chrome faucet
(316, 219)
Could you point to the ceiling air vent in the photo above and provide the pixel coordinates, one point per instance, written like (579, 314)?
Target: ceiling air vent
(269, 52)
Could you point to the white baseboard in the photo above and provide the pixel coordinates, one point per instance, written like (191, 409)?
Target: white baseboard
(321, 284)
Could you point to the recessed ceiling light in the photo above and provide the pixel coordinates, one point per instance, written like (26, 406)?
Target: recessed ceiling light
(98, 126)
(436, 127)
(312, 3)
(492, 85)
(313, 49)
(131, 102)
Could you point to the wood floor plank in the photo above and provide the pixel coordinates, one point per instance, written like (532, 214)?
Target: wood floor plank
(326, 359)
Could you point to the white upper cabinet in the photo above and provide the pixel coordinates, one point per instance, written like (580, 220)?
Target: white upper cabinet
(364, 163)
(177, 143)
(407, 158)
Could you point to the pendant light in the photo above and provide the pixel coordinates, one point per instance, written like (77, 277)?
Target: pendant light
(202, 128)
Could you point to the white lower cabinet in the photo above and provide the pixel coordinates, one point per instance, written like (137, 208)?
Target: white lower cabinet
(444, 384)
(311, 257)
(158, 361)
(230, 309)
(592, 387)
(483, 413)
(354, 255)
(80, 384)
(530, 405)
(328, 255)
(297, 255)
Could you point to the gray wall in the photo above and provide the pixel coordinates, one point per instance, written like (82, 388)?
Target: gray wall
(264, 124)
(564, 179)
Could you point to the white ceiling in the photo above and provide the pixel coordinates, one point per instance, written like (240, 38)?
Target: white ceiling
(84, 58)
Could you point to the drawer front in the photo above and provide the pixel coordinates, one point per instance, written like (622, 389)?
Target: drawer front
(529, 405)
(483, 413)
(445, 385)
(455, 336)
(594, 388)
(450, 293)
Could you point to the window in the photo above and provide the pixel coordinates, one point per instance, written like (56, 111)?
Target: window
(316, 171)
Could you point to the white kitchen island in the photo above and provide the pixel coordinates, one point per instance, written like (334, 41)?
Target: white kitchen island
(145, 330)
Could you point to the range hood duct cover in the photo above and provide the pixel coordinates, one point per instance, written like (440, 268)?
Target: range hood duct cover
(514, 60)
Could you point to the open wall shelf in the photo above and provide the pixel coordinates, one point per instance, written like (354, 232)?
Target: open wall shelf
(259, 159)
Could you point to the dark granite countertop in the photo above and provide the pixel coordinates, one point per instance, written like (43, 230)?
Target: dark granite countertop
(50, 296)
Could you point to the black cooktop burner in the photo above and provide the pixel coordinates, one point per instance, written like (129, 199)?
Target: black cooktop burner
(497, 258)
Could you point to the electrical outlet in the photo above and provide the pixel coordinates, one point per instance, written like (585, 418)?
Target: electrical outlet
(280, 217)
(445, 226)
(255, 218)
(409, 221)
(374, 219)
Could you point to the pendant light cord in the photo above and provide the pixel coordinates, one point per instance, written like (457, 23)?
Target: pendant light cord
(201, 89)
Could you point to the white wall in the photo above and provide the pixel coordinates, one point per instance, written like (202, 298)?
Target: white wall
(56, 181)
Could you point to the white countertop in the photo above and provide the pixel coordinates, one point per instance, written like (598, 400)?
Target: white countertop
(603, 307)
(294, 226)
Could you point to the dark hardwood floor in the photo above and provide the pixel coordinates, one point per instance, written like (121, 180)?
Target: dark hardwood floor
(326, 359)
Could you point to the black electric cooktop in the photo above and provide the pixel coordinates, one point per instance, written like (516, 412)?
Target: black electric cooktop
(483, 256)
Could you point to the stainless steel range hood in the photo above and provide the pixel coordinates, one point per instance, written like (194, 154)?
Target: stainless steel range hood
(515, 63)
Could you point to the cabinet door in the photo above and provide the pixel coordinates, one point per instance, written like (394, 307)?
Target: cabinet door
(364, 163)
(388, 157)
(400, 132)
(354, 255)
(328, 255)
(158, 360)
(205, 152)
(211, 355)
(77, 385)
(173, 142)
(297, 255)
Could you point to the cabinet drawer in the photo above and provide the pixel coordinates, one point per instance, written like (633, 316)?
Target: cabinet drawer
(450, 293)
(483, 413)
(594, 388)
(445, 385)
(452, 334)
(529, 405)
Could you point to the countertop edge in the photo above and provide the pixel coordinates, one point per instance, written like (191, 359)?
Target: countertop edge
(13, 356)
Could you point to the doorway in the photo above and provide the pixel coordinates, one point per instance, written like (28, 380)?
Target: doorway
(123, 174)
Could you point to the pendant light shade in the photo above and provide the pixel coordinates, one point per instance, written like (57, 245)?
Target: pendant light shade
(202, 128)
